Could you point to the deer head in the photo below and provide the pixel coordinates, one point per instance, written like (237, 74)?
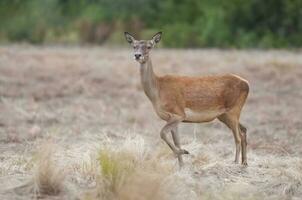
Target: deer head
(142, 48)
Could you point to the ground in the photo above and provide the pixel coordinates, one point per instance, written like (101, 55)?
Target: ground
(67, 111)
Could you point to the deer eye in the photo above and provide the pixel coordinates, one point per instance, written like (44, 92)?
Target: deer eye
(149, 47)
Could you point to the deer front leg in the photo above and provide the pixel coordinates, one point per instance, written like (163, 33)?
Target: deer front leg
(175, 137)
(164, 135)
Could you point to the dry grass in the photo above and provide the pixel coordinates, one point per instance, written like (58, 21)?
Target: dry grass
(104, 134)
(126, 173)
(48, 178)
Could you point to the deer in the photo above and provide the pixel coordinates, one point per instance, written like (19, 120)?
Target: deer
(186, 99)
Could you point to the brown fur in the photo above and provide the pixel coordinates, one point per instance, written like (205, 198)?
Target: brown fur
(200, 93)
(179, 99)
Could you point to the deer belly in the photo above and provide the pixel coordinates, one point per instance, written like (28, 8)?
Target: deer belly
(201, 116)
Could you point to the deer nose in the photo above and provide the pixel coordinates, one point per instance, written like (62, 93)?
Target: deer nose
(137, 56)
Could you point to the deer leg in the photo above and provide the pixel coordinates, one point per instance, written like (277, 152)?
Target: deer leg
(164, 133)
(175, 137)
(237, 138)
(243, 144)
(234, 126)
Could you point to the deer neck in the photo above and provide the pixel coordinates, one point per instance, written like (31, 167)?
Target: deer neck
(149, 80)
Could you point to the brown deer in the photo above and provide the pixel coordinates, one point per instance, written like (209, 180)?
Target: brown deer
(179, 99)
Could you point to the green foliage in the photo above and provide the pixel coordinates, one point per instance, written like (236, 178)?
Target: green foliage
(180, 35)
(190, 23)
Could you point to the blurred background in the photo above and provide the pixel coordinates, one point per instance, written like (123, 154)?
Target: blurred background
(190, 23)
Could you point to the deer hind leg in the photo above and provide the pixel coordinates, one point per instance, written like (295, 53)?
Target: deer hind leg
(233, 123)
(175, 137)
(243, 143)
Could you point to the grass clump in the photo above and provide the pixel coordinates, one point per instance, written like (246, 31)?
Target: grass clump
(130, 171)
(48, 178)
(115, 166)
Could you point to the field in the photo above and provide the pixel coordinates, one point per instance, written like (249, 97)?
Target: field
(75, 124)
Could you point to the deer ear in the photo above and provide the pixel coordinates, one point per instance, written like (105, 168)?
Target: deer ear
(129, 37)
(156, 38)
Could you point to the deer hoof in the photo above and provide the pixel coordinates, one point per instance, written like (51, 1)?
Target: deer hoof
(244, 163)
(186, 152)
(182, 151)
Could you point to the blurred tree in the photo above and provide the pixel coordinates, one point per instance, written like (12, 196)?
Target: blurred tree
(190, 23)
